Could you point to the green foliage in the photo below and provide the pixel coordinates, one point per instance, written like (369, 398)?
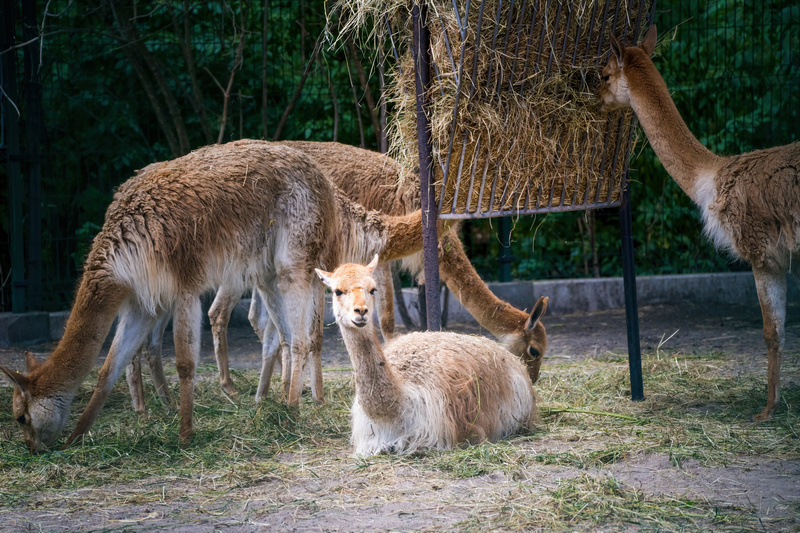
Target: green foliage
(733, 69)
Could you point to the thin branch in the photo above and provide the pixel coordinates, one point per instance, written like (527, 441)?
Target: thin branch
(358, 115)
(299, 89)
(186, 47)
(226, 94)
(335, 101)
(264, 63)
(384, 145)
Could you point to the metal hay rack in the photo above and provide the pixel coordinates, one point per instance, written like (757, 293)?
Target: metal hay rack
(496, 101)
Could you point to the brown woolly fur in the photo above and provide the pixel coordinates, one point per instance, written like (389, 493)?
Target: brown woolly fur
(524, 110)
(378, 183)
(750, 203)
(241, 214)
(374, 180)
(424, 390)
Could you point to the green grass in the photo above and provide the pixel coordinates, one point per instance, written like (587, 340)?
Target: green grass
(696, 407)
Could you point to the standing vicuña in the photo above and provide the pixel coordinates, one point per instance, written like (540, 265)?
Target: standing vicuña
(377, 182)
(424, 390)
(243, 214)
(750, 203)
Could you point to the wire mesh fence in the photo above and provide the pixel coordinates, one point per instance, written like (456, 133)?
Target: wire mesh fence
(125, 83)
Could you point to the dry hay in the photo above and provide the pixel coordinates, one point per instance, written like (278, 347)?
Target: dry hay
(524, 122)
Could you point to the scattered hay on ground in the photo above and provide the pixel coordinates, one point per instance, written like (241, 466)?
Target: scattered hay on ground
(269, 465)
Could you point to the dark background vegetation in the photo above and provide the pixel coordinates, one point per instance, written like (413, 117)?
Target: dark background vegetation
(127, 82)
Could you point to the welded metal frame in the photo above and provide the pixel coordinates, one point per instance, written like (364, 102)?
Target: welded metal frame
(533, 204)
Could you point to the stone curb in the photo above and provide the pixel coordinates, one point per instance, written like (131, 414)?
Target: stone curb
(566, 297)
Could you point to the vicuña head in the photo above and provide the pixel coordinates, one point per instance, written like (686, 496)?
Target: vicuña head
(424, 390)
(38, 415)
(521, 333)
(615, 91)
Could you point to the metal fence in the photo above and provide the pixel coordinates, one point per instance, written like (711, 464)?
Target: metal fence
(733, 68)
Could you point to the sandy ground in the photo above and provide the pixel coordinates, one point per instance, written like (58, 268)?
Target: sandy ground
(416, 499)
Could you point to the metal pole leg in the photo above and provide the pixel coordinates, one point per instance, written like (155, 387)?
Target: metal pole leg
(430, 243)
(631, 302)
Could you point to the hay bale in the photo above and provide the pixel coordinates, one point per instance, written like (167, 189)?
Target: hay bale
(514, 93)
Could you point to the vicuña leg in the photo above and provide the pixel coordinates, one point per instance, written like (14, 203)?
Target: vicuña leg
(257, 315)
(186, 330)
(270, 348)
(385, 299)
(220, 315)
(132, 328)
(771, 287)
(317, 325)
(133, 374)
(151, 350)
(273, 342)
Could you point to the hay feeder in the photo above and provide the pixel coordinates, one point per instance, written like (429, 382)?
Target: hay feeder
(496, 102)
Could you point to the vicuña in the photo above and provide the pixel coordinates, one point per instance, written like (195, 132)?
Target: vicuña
(377, 182)
(750, 203)
(243, 214)
(424, 390)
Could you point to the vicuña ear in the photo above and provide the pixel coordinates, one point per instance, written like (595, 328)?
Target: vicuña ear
(32, 362)
(16, 378)
(324, 276)
(374, 263)
(537, 313)
(649, 41)
(617, 49)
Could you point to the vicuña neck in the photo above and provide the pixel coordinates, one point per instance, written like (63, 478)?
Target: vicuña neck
(91, 317)
(457, 272)
(682, 155)
(365, 233)
(377, 382)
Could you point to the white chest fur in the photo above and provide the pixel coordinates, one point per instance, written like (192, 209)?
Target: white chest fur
(705, 196)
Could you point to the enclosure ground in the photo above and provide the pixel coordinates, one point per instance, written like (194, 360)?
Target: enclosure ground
(687, 458)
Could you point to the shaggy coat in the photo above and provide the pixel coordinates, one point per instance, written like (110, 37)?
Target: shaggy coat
(424, 390)
(750, 203)
(242, 214)
(379, 183)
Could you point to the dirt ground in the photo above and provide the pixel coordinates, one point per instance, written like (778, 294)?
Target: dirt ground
(415, 499)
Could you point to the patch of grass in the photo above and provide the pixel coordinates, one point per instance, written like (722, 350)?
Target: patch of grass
(233, 442)
(697, 407)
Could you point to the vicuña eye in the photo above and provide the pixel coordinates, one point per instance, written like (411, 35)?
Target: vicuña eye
(533, 352)
(21, 419)
(372, 291)
(337, 292)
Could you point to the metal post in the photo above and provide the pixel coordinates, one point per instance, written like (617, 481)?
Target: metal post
(505, 258)
(11, 117)
(430, 244)
(631, 302)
